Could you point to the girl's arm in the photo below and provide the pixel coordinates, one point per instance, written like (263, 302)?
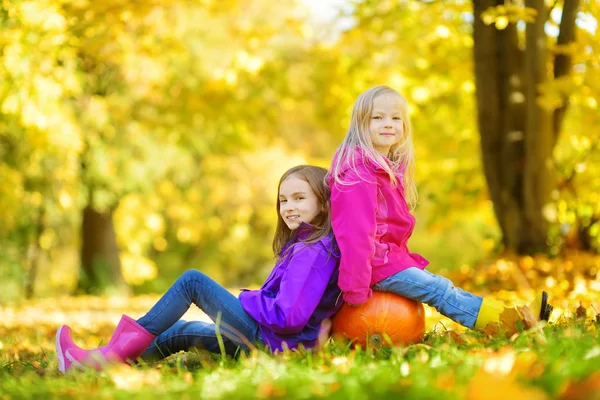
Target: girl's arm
(353, 210)
(302, 287)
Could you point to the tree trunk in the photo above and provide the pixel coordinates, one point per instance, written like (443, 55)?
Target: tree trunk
(499, 79)
(100, 264)
(517, 134)
(562, 62)
(539, 179)
(34, 254)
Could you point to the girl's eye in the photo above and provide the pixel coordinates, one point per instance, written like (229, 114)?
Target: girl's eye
(397, 118)
(300, 198)
(282, 201)
(378, 117)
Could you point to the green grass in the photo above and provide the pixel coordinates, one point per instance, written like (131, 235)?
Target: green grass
(529, 365)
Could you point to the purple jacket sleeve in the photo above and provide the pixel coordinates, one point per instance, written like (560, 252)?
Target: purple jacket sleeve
(302, 287)
(353, 210)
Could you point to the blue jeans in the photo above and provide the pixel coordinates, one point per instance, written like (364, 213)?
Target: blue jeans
(237, 328)
(435, 291)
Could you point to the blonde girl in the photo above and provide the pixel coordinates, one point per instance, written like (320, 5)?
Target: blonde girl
(372, 195)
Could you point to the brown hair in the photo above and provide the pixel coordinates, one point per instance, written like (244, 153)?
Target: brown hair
(315, 177)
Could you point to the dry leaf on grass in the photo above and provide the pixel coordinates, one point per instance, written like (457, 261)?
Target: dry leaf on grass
(528, 318)
(495, 386)
(456, 337)
(587, 389)
(492, 329)
(509, 322)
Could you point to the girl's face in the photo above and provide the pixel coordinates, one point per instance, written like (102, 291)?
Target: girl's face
(386, 126)
(297, 202)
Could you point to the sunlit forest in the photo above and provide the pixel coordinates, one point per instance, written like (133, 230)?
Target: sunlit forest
(140, 139)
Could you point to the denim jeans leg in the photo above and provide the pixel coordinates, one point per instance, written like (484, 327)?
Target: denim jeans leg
(193, 287)
(184, 335)
(435, 291)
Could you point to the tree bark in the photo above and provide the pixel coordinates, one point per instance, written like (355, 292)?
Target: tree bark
(517, 134)
(562, 62)
(100, 263)
(539, 179)
(34, 254)
(500, 102)
(488, 104)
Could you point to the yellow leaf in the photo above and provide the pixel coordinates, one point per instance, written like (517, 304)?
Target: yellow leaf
(487, 386)
(528, 317)
(501, 22)
(587, 389)
(508, 322)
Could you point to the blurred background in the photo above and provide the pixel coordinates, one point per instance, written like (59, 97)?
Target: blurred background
(139, 139)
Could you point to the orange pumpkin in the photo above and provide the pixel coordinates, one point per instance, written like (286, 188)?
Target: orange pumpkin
(385, 314)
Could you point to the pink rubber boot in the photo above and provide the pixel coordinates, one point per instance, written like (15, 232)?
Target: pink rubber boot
(64, 340)
(127, 343)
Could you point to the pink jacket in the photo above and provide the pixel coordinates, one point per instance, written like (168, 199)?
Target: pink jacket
(372, 224)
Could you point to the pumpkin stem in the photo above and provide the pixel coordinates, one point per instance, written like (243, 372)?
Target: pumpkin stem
(376, 340)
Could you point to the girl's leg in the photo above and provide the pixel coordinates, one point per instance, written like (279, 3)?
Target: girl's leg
(185, 335)
(132, 338)
(193, 287)
(436, 291)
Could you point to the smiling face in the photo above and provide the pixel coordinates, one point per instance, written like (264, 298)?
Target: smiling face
(386, 126)
(297, 202)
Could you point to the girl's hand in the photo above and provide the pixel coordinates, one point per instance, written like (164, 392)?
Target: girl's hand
(324, 333)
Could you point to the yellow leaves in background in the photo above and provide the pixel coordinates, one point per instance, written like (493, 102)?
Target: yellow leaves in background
(502, 15)
(140, 226)
(249, 62)
(11, 192)
(137, 269)
(420, 94)
(48, 239)
(44, 15)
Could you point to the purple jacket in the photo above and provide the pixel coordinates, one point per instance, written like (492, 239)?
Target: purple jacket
(298, 295)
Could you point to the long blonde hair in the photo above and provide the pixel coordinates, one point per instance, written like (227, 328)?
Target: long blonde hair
(401, 155)
(321, 224)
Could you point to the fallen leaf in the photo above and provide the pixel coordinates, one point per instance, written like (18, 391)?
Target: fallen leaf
(581, 312)
(266, 389)
(492, 329)
(528, 318)
(446, 380)
(188, 378)
(128, 378)
(587, 389)
(509, 322)
(501, 362)
(494, 386)
(456, 337)
(525, 364)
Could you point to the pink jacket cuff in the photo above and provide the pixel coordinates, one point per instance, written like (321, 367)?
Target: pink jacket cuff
(358, 296)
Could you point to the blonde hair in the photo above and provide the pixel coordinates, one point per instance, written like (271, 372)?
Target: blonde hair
(401, 155)
(315, 177)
